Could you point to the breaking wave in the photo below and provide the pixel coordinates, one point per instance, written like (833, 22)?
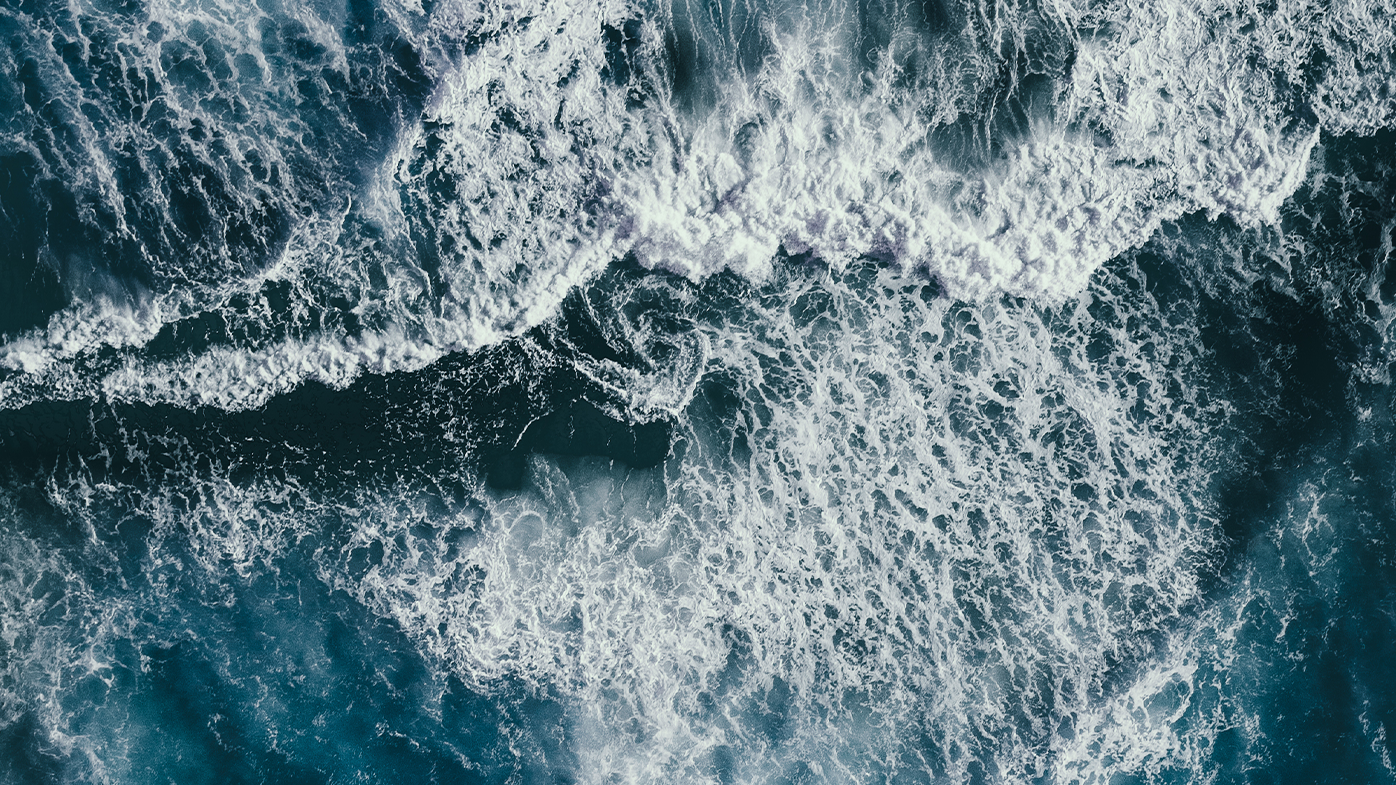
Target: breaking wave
(625, 392)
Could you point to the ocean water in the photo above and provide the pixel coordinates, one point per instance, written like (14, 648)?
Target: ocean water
(616, 391)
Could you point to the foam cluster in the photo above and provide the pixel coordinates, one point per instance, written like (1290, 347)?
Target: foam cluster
(899, 538)
(497, 156)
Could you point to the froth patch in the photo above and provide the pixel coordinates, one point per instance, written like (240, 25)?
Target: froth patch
(896, 536)
(539, 156)
(1165, 114)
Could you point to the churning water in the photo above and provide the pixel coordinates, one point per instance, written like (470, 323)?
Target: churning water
(614, 391)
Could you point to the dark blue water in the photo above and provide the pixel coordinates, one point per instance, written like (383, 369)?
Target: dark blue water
(731, 393)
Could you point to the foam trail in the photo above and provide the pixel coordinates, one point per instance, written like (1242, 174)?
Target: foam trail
(635, 392)
(504, 156)
(897, 537)
(814, 581)
(899, 594)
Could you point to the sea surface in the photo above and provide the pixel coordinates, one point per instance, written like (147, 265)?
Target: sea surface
(634, 391)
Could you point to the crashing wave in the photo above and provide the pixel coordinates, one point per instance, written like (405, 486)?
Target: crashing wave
(520, 149)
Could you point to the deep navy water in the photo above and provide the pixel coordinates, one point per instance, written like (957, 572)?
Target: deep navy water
(597, 391)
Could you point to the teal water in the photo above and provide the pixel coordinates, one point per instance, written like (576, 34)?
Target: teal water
(722, 393)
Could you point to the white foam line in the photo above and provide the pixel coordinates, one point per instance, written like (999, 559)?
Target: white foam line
(1167, 115)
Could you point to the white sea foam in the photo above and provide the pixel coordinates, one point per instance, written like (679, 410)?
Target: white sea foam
(530, 170)
(57, 635)
(1216, 673)
(920, 543)
(899, 537)
(1163, 117)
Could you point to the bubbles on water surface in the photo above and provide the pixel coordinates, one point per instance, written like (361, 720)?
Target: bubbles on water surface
(897, 536)
(879, 455)
(253, 200)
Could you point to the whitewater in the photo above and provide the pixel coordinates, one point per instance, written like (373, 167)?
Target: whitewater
(706, 392)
